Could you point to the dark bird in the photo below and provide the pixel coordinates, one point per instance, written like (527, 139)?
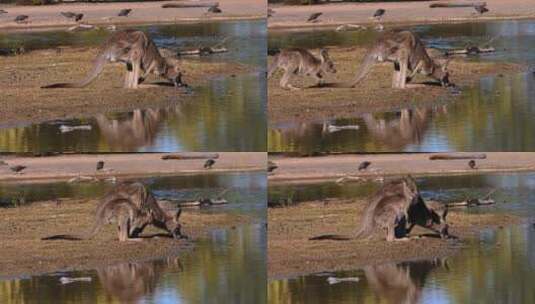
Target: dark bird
(271, 166)
(481, 9)
(3, 11)
(100, 165)
(21, 18)
(364, 165)
(472, 164)
(209, 163)
(71, 15)
(215, 9)
(124, 12)
(314, 17)
(17, 168)
(379, 14)
(270, 12)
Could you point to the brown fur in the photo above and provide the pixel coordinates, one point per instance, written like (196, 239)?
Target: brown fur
(408, 53)
(301, 62)
(138, 52)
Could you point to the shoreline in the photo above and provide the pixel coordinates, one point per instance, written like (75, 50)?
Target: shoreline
(65, 167)
(292, 170)
(289, 17)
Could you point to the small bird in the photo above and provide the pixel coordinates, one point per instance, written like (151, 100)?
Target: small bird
(270, 12)
(314, 17)
(21, 18)
(209, 163)
(17, 168)
(481, 9)
(214, 9)
(100, 165)
(379, 14)
(124, 12)
(364, 165)
(271, 166)
(3, 11)
(71, 15)
(472, 164)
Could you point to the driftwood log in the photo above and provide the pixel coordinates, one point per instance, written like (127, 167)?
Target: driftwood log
(182, 156)
(457, 156)
(189, 5)
(202, 51)
(459, 4)
(471, 50)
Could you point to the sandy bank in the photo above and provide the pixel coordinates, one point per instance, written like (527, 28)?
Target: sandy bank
(374, 93)
(23, 251)
(142, 13)
(416, 12)
(23, 100)
(125, 165)
(291, 253)
(299, 169)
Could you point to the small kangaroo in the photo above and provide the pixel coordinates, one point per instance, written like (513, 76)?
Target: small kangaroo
(138, 52)
(408, 53)
(132, 207)
(301, 62)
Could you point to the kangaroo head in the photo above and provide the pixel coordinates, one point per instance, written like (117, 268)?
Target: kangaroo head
(438, 218)
(170, 70)
(410, 188)
(326, 62)
(171, 223)
(441, 73)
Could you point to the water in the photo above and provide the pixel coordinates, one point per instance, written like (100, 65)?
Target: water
(227, 114)
(498, 266)
(224, 267)
(494, 115)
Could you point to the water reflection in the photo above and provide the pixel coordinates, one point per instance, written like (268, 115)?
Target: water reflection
(495, 115)
(226, 114)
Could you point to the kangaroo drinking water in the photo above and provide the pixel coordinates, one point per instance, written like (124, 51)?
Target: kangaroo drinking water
(301, 62)
(138, 52)
(132, 207)
(408, 53)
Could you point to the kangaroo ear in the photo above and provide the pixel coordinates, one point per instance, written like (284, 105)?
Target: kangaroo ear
(443, 63)
(177, 215)
(445, 213)
(324, 54)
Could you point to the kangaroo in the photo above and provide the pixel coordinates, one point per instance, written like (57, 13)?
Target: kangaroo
(397, 204)
(408, 53)
(138, 52)
(132, 207)
(301, 62)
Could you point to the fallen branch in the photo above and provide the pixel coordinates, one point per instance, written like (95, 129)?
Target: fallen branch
(202, 51)
(457, 156)
(205, 202)
(350, 27)
(182, 156)
(471, 203)
(189, 5)
(451, 5)
(470, 51)
(82, 27)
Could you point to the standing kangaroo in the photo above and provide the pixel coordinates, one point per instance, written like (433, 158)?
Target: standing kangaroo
(301, 62)
(409, 56)
(132, 207)
(138, 52)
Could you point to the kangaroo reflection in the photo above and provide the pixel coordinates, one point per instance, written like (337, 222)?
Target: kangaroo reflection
(137, 130)
(407, 128)
(401, 283)
(129, 282)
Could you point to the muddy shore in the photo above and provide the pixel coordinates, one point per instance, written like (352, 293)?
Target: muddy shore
(292, 254)
(398, 13)
(333, 167)
(23, 251)
(65, 167)
(143, 12)
(373, 94)
(23, 101)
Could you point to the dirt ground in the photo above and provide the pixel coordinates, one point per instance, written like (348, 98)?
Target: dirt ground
(292, 254)
(143, 12)
(23, 251)
(332, 167)
(415, 12)
(374, 93)
(124, 165)
(24, 101)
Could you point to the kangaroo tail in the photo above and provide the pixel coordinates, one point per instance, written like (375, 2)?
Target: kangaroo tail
(364, 68)
(334, 237)
(90, 234)
(98, 66)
